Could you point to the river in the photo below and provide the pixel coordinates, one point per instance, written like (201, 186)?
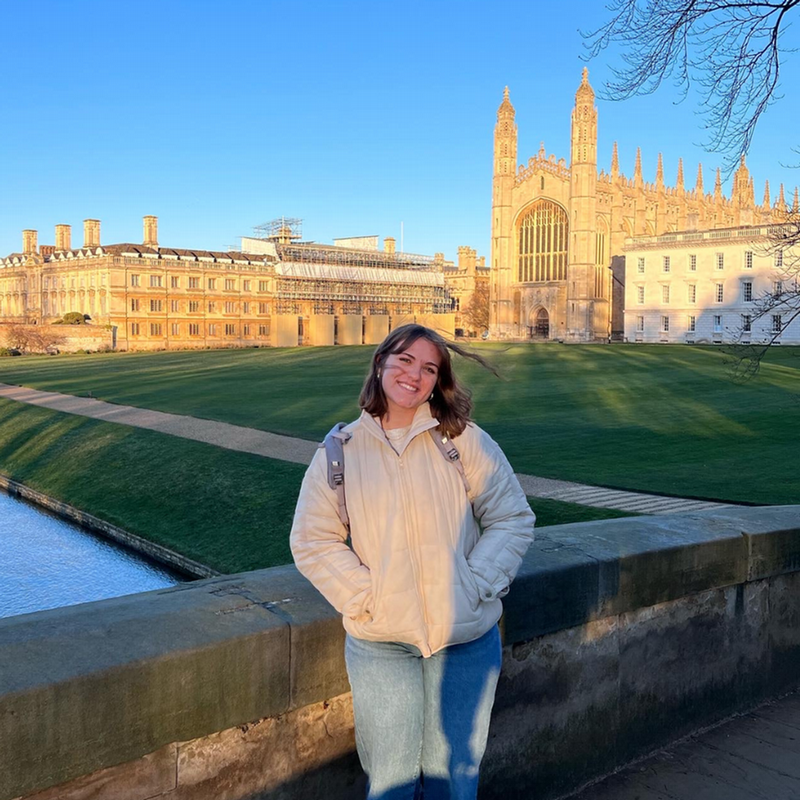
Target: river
(46, 562)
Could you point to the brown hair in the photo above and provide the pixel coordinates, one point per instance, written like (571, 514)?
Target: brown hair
(451, 403)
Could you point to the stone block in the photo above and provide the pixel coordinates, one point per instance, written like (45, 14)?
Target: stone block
(690, 662)
(90, 686)
(321, 330)
(350, 329)
(784, 631)
(556, 713)
(284, 330)
(376, 328)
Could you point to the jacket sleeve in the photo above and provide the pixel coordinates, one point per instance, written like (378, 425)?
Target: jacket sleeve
(503, 512)
(319, 545)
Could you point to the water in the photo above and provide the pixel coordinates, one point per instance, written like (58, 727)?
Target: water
(46, 562)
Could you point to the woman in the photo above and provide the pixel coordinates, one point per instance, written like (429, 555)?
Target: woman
(420, 589)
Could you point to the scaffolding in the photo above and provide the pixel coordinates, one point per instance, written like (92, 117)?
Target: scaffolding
(280, 229)
(312, 253)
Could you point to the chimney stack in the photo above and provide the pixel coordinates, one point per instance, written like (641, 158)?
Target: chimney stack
(91, 233)
(29, 242)
(150, 231)
(389, 245)
(63, 237)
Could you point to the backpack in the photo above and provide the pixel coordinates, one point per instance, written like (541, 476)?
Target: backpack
(334, 444)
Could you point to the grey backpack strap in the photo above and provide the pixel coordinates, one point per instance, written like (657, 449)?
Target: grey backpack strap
(450, 452)
(334, 444)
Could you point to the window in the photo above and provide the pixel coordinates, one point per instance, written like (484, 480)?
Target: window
(777, 288)
(174, 306)
(542, 243)
(194, 306)
(691, 324)
(245, 308)
(230, 307)
(692, 263)
(263, 308)
(230, 284)
(155, 281)
(175, 329)
(640, 265)
(263, 286)
(776, 323)
(155, 305)
(779, 258)
(194, 329)
(245, 286)
(212, 282)
(194, 283)
(230, 330)
(747, 291)
(640, 324)
(691, 293)
(747, 323)
(134, 304)
(245, 330)
(665, 294)
(720, 292)
(665, 264)
(155, 329)
(748, 260)
(665, 324)
(174, 282)
(134, 280)
(211, 307)
(720, 260)
(717, 323)
(263, 330)
(134, 328)
(640, 294)
(212, 329)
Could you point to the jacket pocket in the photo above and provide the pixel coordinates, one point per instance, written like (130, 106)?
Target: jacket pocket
(468, 583)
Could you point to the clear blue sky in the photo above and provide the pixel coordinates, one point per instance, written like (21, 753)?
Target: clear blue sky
(355, 116)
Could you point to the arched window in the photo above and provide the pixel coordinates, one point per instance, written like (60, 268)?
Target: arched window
(543, 243)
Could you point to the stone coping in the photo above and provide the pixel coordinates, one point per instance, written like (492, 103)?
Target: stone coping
(98, 684)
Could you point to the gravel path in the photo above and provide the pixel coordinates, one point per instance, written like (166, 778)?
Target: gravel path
(300, 451)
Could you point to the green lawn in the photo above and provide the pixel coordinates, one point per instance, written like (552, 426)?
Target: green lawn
(230, 510)
(652, 418)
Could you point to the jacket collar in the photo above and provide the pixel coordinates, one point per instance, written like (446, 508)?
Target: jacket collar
(423, 421)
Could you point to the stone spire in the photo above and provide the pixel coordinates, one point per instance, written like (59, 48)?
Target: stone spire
(796, 201)
(637, 170)
(614, 161)
(660, 172)
(718, 185)
(679, 179)
(585, 92)
(698, 187)
(780, 203)
(766, 194)
(751, 194)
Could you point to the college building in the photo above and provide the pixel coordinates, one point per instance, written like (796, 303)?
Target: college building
(276, 291)
(568, 243)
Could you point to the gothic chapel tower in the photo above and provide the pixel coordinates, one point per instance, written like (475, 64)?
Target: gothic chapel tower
(502, 258)
(587, 306)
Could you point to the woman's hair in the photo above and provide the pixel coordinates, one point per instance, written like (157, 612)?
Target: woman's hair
(451, 403)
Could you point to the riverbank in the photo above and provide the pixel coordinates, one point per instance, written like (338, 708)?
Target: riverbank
(228, 510)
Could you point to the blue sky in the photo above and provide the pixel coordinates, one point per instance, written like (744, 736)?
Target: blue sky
(354, 116)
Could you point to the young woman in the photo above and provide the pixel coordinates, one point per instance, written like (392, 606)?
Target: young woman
(419, 586)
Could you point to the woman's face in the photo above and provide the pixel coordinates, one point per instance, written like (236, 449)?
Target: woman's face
(408, 378)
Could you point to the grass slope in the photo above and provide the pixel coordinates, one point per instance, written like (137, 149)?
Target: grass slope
(658, 419)
(232, 511)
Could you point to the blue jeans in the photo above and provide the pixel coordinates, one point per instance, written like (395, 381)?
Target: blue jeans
(422, 723)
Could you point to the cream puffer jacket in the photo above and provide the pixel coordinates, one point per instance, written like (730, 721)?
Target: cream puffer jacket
(419, 570)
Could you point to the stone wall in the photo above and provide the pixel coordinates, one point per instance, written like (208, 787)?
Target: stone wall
(620, 636)
(70, 338)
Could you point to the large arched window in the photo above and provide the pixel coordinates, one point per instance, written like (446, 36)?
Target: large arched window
(543, 243)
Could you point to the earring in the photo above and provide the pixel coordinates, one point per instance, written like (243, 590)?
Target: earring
(431, 397)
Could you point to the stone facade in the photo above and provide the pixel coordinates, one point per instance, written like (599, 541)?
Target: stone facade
(158, 297)
(706, 287)
(559, 230)
(462, 280)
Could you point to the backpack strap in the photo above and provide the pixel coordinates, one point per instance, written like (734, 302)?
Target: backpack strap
(334, 443)
(446, 447)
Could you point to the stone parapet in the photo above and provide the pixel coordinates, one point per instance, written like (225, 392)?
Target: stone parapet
(620, 636)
